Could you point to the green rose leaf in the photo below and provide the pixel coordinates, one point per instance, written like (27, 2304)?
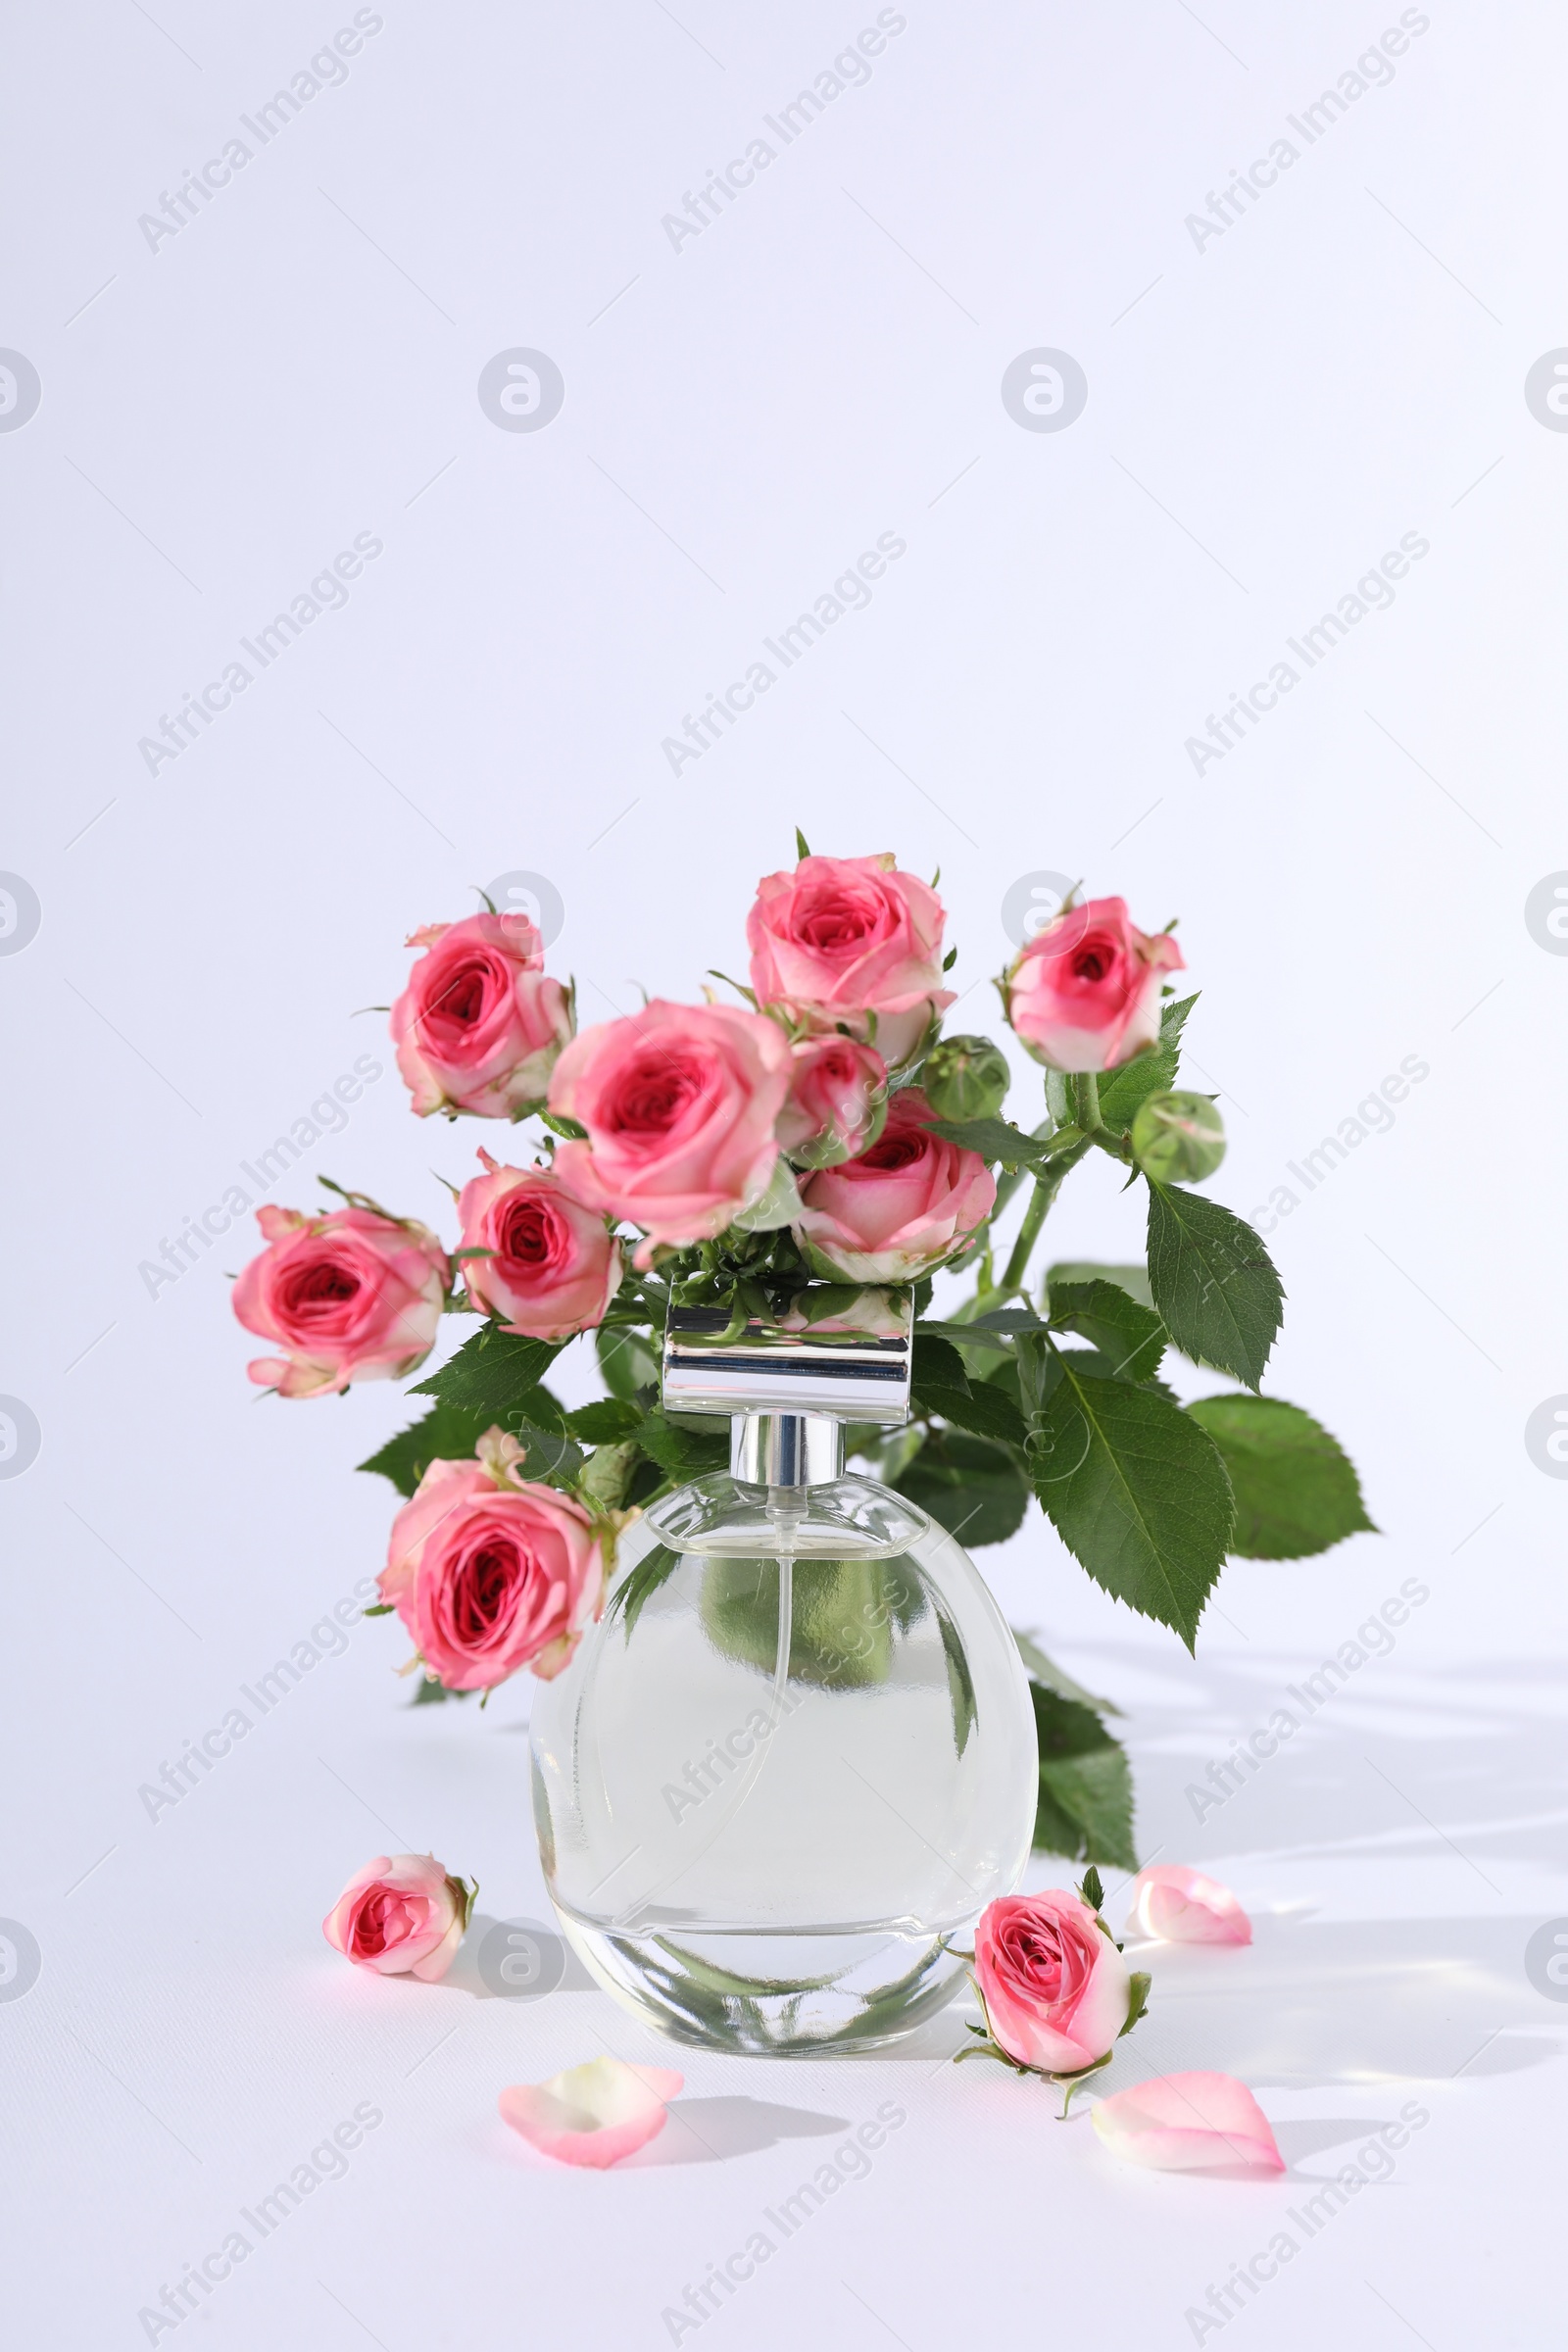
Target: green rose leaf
(996, 1140)
(1213, 1282)
(1137, 1491)
(1132, 1337)
(628, 1360)
(972, 1488)
(1296, 1488)
(608, 1421)
(941, 1384)
(683, 1452)
(1045, 1671)
(447, 1433)
(1085, 1806)
(494, 1373)
(1153, 1073)
(1131, 1279)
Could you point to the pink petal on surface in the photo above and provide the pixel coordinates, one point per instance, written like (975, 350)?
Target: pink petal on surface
(1189, 2122)
(594, 2114)
(1181, 1906)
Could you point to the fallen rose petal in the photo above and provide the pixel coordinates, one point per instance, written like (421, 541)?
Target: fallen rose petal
(1189, 2122)
(594, 2114)
(1182, 1906)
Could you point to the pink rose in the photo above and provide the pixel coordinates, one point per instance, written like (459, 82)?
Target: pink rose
(553, 1267)
(480, 1025)
(841, 939)
(1183, 1906)
(353, 1296)
(837, 1101)
(679, 1102)
(1084, 992)
(403, 1915)
(491, 1573)
(901, 1208)
(1057, 1991)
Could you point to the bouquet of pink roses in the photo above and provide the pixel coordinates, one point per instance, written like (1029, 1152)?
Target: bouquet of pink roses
(817, 1150)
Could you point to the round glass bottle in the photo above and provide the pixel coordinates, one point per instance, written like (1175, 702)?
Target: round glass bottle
(791, 1764)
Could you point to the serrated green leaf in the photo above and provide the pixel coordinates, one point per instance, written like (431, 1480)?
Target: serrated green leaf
(608, 1421)
(973, 1489)
(449, 1433)
(1133, 1280)
(491, 1373)
(937, 1361)
(996, 1140)
(1137, 1491)
(633, 1592)
(983, 1409)
(1296, 1488)
(1213, 1282)
(683, 1452)
(1153, 1073)
(1085, 1806)
(1132, 1337)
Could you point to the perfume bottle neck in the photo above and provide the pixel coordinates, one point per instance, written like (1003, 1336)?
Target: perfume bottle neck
(786, 1449)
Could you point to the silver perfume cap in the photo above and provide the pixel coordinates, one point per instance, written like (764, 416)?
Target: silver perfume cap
(850, 1370)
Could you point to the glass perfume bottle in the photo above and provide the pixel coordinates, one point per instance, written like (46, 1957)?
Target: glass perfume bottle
(797, 1756)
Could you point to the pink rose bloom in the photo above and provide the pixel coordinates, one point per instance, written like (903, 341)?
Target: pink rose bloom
(403, 1915)
(595, 2114)
(837, 1101)
(1189, 2122)
(491, 1573)
(679, 1102)
(901, 1208)
(353, 1296)
(1084, 992)
(480, 1025)
(842, 938)
(1182, 1906)
(1055, 1989)
(553, 1267)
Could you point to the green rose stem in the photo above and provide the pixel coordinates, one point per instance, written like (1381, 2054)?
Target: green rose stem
(1047, 1183)
(1086, 1100)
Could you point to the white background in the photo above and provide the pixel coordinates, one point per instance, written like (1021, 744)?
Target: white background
(743, 415)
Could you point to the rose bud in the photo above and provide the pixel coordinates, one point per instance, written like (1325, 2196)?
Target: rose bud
(1178, 1139)
(1084, 994)
(966, 1078)
(679, 1102)
(1182, 1906)
(854, 943)
(838, 1101)
(479, 1024)
(901, 1208)
(1055, 1989)
(404, 1916)
(491, 1573)
(353, 1296)
(551, 1266)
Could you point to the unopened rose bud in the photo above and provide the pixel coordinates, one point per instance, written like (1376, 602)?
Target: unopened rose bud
(1178, 1139)
(966, 1078)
